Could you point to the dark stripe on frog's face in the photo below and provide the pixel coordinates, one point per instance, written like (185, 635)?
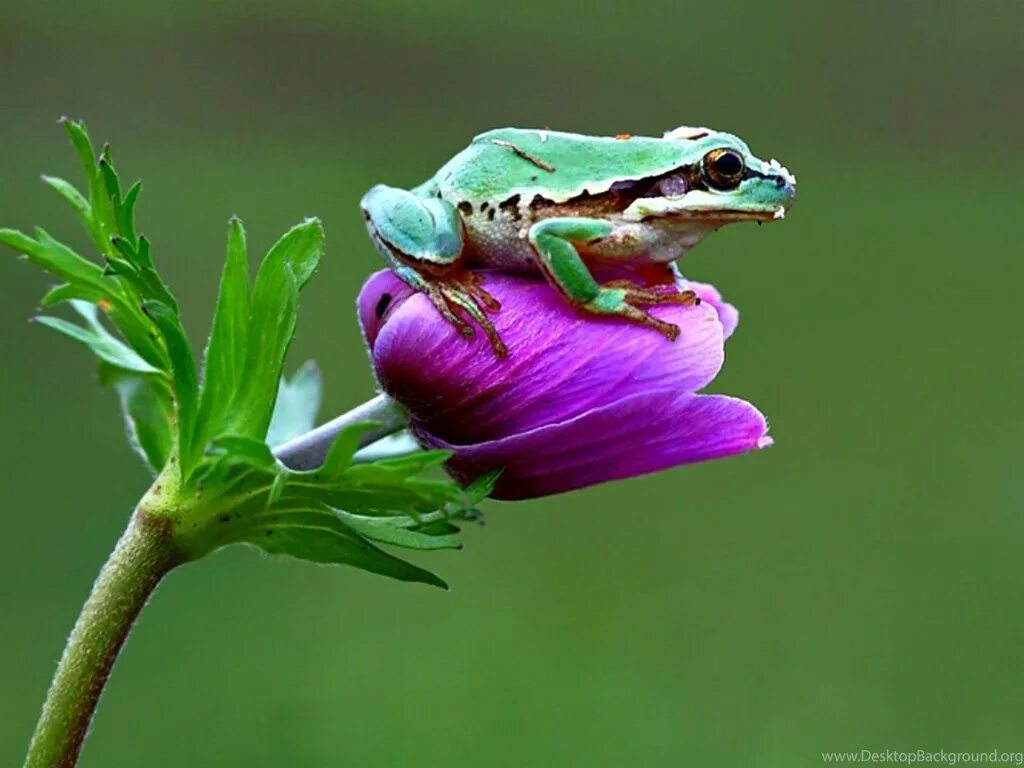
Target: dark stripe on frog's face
(623, 193)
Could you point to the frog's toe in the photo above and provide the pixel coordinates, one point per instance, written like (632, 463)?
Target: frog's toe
(643, 295)
(442, 301)
(474, 286)
(464, 292)
(624, 299)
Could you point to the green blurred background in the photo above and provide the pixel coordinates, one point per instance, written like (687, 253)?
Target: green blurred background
(857, 586)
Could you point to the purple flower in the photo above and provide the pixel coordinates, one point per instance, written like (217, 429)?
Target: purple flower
(580, 400)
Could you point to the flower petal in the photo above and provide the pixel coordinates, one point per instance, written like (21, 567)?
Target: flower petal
(379, 297)
(640, 434)
(561, 363)
(727, 313)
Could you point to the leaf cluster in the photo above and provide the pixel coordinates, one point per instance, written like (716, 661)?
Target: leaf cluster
(206, 430)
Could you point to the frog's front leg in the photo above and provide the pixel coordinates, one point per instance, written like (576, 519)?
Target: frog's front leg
(421, 240)
(557, 244)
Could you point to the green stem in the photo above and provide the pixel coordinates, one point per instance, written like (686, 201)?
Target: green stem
(139, 561)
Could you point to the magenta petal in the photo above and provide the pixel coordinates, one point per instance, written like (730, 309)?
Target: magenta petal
(727, 313)
(561, 363)
(378, 298)
(643, 433)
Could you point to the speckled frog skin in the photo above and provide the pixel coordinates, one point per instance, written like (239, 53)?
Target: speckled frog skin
(562, 203)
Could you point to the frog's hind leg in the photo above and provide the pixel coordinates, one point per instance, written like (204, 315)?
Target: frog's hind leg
(421, 240)
(555, 242)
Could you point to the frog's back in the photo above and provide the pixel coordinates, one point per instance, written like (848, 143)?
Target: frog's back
(556, 165)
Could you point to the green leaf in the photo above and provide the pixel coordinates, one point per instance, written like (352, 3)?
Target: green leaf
(138, 268)
(229, 338)
(273, 310)
(277, 487)
(56, 258)
(143, 252)
(102, 209)
(331, 544)
(95, 336)
(300, 248)
(414, 462)
(339, 456)
(245, 450)
(126, 215)
(298, 400)
(331, 515)
(148, 413)
(70, 291)
(111, 182)
(75, 199)
(185, 381)
(87, 280)
(234, 456)
(482, 487)
(391, 530)
(275, 299)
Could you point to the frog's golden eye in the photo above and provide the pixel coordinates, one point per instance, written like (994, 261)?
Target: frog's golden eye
(723, 168)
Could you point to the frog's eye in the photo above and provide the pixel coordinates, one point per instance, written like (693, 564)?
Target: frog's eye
(723, 168)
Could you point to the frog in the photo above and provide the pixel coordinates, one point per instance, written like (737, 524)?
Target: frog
(568, 205)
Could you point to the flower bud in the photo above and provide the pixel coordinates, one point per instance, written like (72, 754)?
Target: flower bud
(579, 400)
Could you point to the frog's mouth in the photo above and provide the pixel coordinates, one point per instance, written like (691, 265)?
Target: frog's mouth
(762, 195)
(702, 206)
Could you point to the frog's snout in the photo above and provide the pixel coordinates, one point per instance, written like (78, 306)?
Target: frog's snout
(785, 182)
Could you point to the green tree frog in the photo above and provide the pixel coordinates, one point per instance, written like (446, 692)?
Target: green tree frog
(564, 203)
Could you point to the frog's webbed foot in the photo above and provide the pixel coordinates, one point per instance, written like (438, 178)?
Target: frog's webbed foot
(464, 291)
(625, 299)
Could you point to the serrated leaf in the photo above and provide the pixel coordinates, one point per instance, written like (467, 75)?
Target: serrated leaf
(229, 455)
(339, 455)
(69, 291)
(111, 182)
(277, 487)
(438, 528)
(139, 270)
(75, 199)
(124, 268)
(300, 248)
(273, 309)
(482, 487)
(254, 453)
(126, 216)
(330, 545)
(183, 373)
(413, 498)
(391, 530)
(415, 462)
(148, 413)
(95, 337)
(102, 210)
(392, 470)
(275, 299)
(143, 251)
(298, 400)
(229, 337)
(55, 257)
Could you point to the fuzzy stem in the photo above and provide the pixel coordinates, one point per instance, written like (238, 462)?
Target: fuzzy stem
(308, 451)
(142, 557)
(139, 561)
